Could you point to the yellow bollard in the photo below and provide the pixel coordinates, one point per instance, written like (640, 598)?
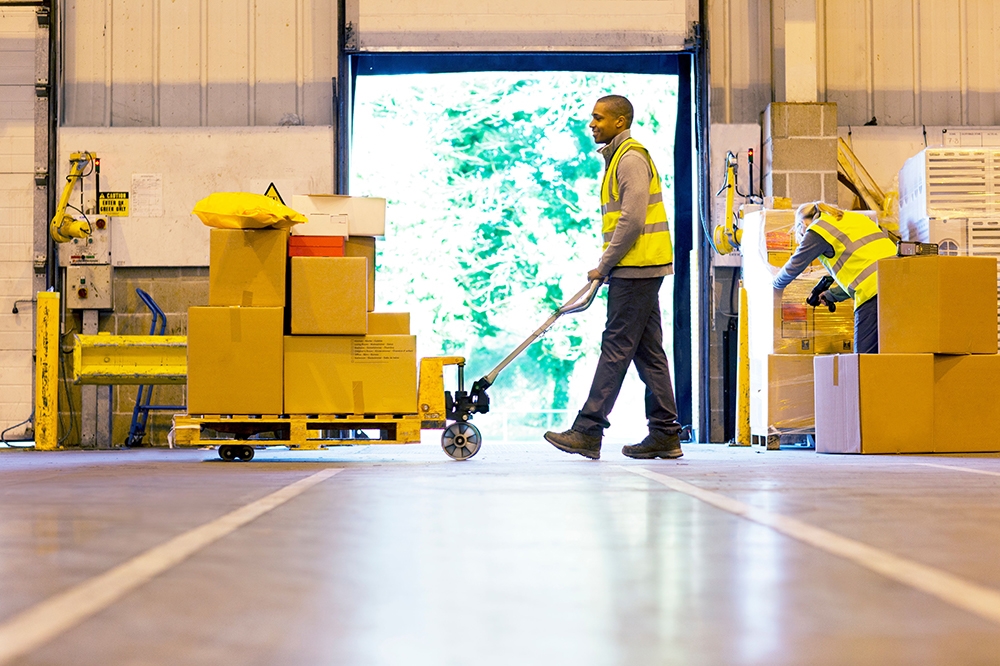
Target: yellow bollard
(743, 375)
(47, 371)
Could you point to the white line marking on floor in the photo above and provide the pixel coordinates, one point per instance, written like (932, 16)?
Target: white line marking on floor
(959, 469)
(977, 599)
(46, 620)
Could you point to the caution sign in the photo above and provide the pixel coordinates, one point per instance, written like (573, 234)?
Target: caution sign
(113, 204)
(272, 193)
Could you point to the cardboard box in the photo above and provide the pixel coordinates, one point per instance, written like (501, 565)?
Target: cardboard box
(329, 296)
(375, 374)
(360, 246)
(937, 304)
(874, 403)
(966, 403)
(388, 323)
(365, 215)
(323, 224)
(235, 360)
(247, 267)
(316, 246)
(781, 394)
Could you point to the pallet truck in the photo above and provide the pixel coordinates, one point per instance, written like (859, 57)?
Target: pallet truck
(237, 435)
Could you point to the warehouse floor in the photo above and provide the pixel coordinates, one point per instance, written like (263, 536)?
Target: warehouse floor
(523, 555)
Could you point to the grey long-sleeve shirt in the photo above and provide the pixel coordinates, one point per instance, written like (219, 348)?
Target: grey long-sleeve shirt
(633, 187)
(812, 246)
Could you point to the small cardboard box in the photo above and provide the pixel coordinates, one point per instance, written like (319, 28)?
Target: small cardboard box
(360, 246)
(315, 246)
(322, 224)
(781, 394)
(235, 358)
(247, 267)
(966, 403)
(365, 215)
(388, 323)
(329, 296)
(937, 304)
(859, 408)
(375, 374)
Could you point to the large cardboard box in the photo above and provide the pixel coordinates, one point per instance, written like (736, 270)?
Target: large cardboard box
(781, 394)
(361, 246)
(365, 215)
(937, 304)
(388, 323)
(247, 267)
(235, 360)
(374, 374)
(874, 403)
(329, 296)
(966, 403)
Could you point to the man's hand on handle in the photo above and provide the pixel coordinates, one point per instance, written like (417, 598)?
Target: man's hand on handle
(596, 275)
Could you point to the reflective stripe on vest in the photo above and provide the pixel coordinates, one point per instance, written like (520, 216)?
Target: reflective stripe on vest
(858, 243)
(653, 247)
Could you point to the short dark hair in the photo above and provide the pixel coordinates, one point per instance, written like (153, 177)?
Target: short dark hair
(620, 106)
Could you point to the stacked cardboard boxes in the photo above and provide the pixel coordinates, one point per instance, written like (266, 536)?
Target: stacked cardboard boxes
(934, 386)
(290, 329)
(785, 333)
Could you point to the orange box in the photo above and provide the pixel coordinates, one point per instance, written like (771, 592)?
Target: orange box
(315, 246)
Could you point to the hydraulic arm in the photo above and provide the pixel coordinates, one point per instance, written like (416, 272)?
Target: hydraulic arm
(64, 227)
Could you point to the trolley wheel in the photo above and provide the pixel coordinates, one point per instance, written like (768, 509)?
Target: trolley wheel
(461, 441)
(228, 452)
(245, 453)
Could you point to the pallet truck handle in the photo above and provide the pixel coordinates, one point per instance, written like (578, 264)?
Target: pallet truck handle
(578, 303)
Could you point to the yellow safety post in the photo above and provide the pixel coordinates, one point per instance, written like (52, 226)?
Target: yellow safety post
(743, 375)
(47, 371)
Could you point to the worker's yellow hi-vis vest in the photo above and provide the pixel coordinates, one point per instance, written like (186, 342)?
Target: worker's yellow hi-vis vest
(858, 243)
(653, 247)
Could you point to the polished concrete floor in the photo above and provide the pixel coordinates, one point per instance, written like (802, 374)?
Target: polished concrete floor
(522, 555)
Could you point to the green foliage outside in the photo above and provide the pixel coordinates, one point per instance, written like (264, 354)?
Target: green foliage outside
(493, 221)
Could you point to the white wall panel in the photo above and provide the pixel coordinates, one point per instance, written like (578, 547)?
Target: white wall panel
(17, 159)
(932, 62)
(523, 24)
(179, 63)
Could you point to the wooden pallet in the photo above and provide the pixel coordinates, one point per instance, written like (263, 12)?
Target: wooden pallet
(298, 431)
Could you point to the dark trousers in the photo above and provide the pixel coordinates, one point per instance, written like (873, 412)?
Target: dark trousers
(866, 327)
(633, 334)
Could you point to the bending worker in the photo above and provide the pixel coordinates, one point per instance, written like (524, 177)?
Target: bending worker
(637, 255)
(848, 245)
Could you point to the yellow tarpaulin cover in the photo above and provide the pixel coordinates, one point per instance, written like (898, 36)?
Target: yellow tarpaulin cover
(243, 210)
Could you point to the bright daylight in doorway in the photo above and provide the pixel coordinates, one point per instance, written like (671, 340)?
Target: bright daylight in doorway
(493, 221)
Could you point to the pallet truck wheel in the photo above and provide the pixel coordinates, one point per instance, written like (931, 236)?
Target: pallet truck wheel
(461, 441)
(227, 452)
(245, 453)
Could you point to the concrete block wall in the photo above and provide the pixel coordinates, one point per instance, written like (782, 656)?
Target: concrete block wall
(174, 290)
(799, 145)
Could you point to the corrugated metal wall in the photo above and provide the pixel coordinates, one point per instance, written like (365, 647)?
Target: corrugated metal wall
(523, 25)
(180, 63)
(906, 62)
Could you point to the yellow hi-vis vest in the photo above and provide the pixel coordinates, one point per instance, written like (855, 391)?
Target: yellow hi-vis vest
(858, 243)
(653, 247)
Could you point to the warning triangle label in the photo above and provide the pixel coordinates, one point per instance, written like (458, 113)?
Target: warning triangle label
(272, 193)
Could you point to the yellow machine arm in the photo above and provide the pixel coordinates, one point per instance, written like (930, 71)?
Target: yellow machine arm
(63, 227)
(727, 236)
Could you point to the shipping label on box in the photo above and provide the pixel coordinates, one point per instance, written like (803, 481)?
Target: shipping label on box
(323, 224)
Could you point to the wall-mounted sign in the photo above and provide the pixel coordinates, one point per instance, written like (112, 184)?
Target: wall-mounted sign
(113, 204)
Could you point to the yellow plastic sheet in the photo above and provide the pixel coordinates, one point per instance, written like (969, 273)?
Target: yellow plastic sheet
(243, 210)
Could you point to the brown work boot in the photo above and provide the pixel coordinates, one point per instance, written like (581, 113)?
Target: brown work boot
(573, 441)
(661, 446)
